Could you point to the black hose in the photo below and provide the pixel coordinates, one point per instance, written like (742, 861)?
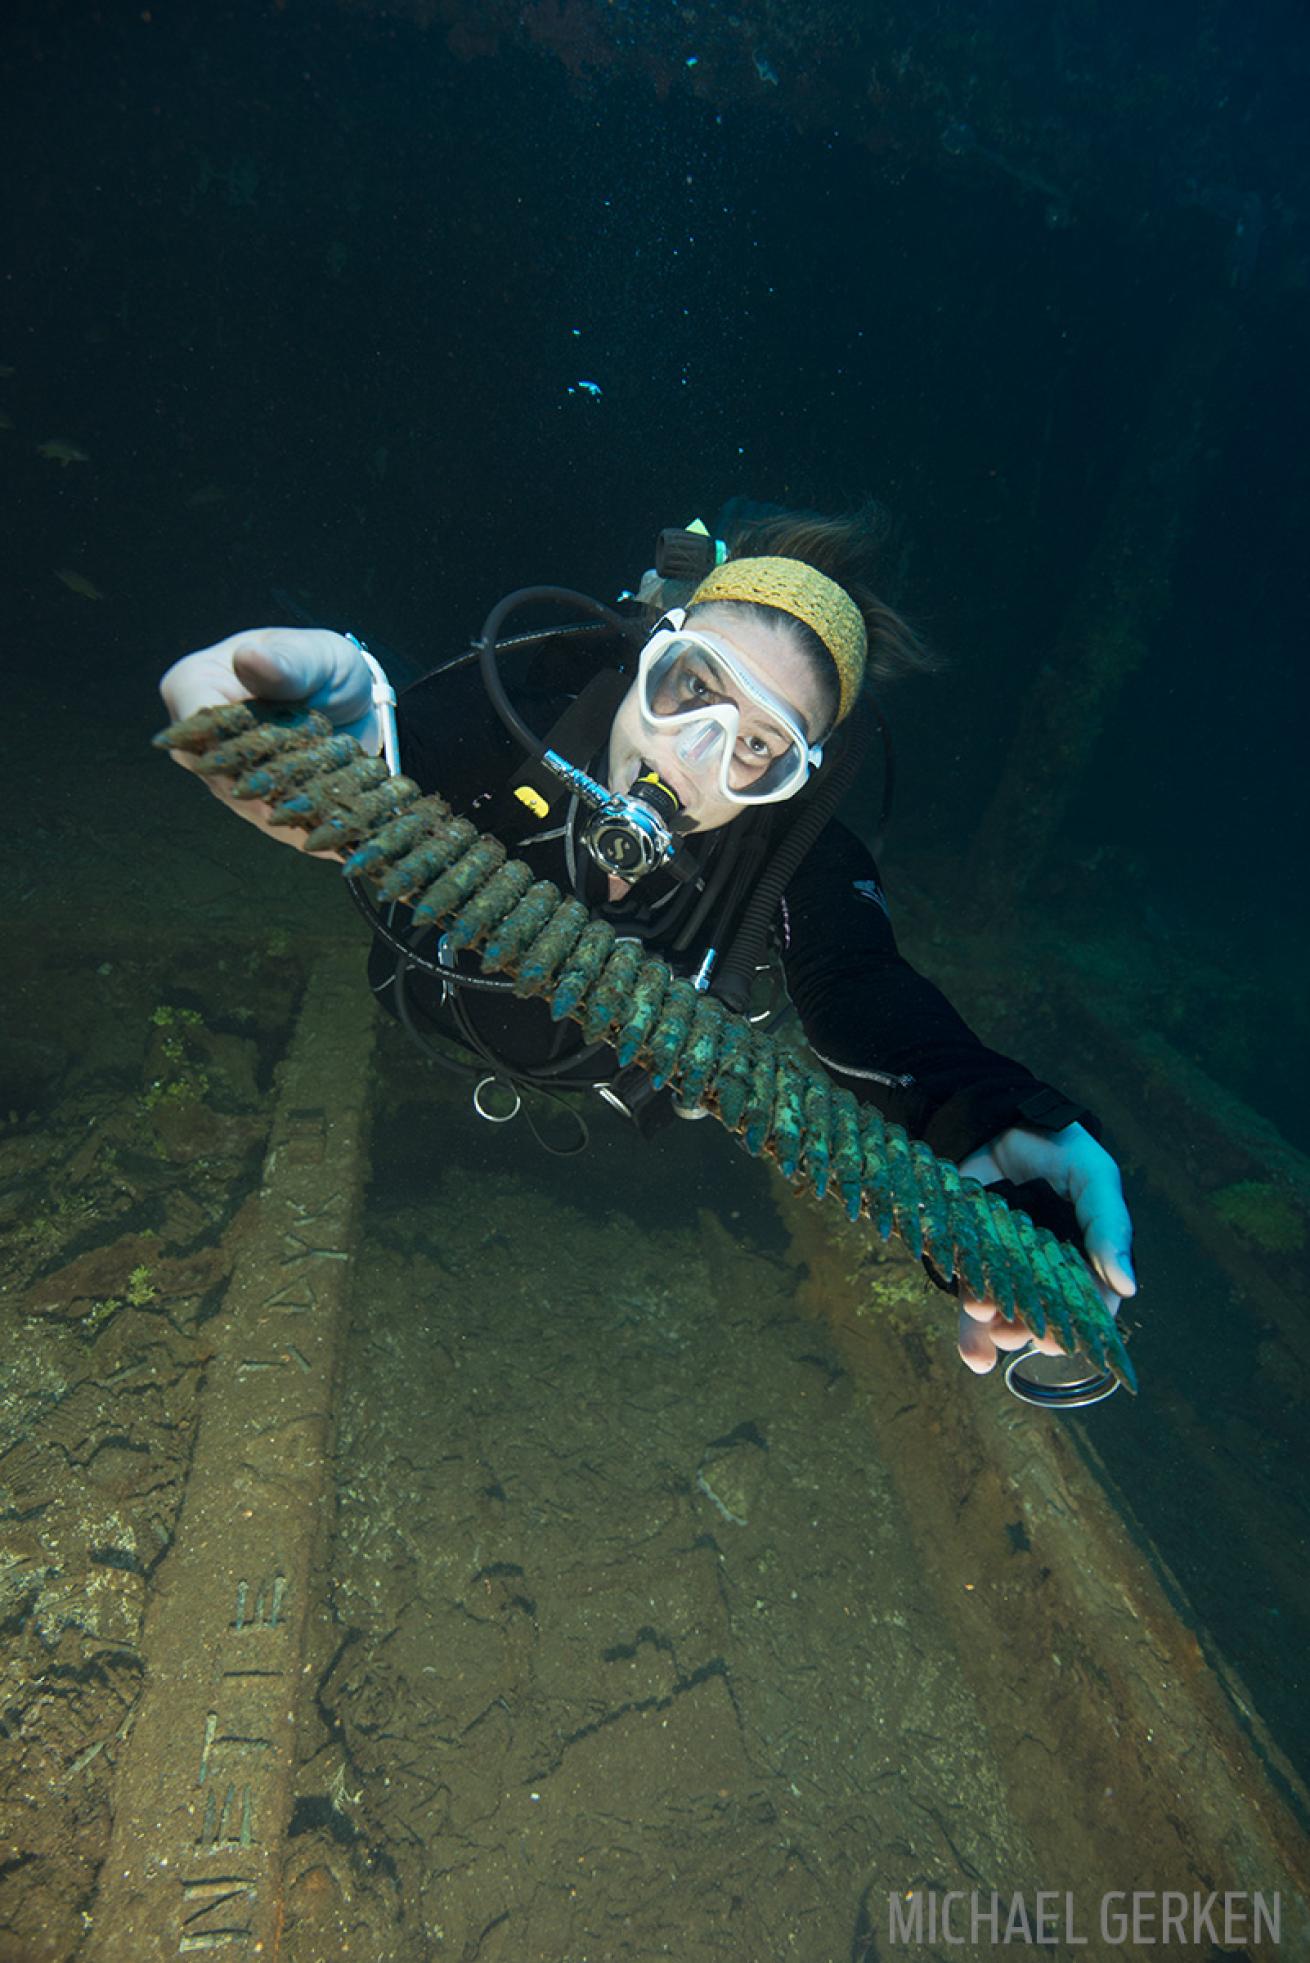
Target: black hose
(513, 644)
(407, 950)
(489, 648)
(408, 958)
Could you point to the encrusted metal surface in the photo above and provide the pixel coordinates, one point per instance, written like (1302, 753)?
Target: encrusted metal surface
(411, 848)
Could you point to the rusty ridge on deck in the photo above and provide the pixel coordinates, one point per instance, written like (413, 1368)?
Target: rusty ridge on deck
(411, 848)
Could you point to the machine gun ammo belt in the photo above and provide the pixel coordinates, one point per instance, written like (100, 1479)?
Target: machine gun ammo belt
(410, 848)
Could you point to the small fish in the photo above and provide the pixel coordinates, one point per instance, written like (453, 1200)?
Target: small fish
(59, 450)
(207, 494)
(79, 583)
(6, 422)
(7, 372)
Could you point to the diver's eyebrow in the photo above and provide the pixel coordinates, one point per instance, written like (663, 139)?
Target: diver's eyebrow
(744, 699)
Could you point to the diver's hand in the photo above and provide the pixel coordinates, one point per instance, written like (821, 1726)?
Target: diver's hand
(1081, 1171)
(309, 665)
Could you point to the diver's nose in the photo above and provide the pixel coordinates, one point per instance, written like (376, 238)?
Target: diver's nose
(699, 744)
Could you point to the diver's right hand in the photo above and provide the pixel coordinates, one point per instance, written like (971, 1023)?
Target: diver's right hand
(309, 665)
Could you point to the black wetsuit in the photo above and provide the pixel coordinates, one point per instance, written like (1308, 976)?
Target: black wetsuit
(879, 1026)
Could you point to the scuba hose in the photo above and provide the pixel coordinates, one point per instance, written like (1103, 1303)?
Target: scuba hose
(408, 958)
(491, 1067)
(489, 646)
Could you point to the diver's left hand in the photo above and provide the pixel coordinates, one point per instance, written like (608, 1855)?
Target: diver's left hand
(1082, 1172)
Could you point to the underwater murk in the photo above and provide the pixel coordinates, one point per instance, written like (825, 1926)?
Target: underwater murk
(417, 1543)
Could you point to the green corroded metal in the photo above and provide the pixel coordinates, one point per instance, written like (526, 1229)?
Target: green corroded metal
(459, 882)
(409, 847)
(607, 1001)
(491, 903)
(392, 840)
(635, 1025)
(538, 966)
(438, 846)
(520, 926)
(703, 1047)
(583, 969)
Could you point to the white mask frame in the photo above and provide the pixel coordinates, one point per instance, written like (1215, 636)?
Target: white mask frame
(713, 728)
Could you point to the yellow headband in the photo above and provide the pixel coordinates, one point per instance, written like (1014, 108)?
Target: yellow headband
(807, 595)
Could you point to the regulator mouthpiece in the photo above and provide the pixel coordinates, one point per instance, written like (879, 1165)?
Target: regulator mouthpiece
(629, 834)
(636, 833)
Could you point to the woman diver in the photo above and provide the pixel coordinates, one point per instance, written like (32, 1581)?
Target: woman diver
(696, 748)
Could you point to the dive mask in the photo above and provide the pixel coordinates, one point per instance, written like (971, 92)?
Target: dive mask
(696, 692)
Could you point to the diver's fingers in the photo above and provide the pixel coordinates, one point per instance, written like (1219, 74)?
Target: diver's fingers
(273, 664)
(1112, 1297)
(1105, 1223)
(203, 680)
(1110, 1257)
(974, 1344)
(313, 666)
(1005, 1335)
(305, 664)
(1017, 1336)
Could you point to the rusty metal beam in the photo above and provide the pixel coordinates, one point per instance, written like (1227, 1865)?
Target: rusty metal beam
(1136, 1757)
(202, 1797)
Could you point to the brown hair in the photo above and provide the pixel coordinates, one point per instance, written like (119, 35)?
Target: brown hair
(847, 548)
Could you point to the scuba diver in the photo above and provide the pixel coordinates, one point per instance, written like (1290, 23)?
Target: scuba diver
(677, 763)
